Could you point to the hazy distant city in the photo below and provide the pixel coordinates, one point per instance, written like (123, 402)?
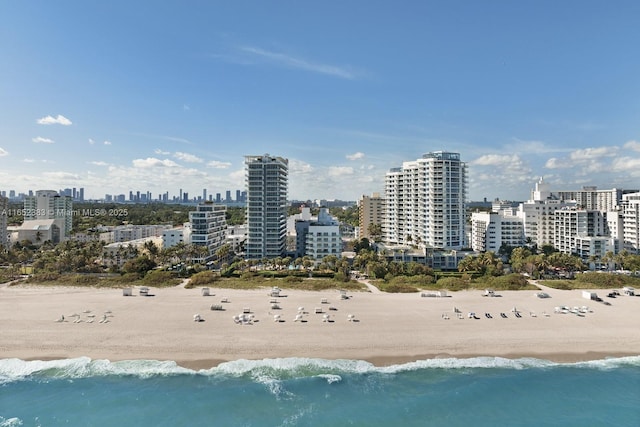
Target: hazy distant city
(422, 208)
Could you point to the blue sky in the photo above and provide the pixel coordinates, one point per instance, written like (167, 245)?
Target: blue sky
(117, 95)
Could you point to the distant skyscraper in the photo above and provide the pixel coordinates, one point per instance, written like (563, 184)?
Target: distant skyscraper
(425, 202)
(266, 180)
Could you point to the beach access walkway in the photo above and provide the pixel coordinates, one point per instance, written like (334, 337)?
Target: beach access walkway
(369, 286)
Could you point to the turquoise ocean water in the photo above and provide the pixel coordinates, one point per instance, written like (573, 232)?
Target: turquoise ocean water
(314, 392)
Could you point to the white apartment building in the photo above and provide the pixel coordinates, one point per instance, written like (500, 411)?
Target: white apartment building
(591, 198)
(631, 222)
(581, 232)
(424, 202)
(266, 181)
(370, 210)
(319, 237)
(129, 232)
(537, 214)
(47, 206)
(208, 228)
(174, 236)
(491, 230)
(236, 237)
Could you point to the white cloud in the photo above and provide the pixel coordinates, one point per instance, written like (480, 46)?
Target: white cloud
(161, 152)
(497, 160)
(91, 141)
(300, 167)
(555, 163)
(292, 62)
(3, 152)
(627, 165)
(107, 143)
(152, 162)
(28, 160)
(588, 154)
(338, 171)
(61, 176)
(216, 164)
(632, 145)
(42, 140)
(186, 157)
(355, 156)
(50, 120)
(99, 163)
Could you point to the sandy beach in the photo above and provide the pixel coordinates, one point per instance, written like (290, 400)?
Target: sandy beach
(385, 328)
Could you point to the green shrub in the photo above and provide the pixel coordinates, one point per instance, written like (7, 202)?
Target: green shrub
(512, 282)
(397, 288)
(453, 283)
(293, 279)
(203, 278)
(45, 277)
(159, 278)
(420, 280)
(80, 279)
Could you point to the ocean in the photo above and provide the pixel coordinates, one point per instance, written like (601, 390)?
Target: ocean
(484, 391)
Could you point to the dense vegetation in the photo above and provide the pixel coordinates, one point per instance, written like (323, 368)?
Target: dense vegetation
(594, 280)
(81, 264)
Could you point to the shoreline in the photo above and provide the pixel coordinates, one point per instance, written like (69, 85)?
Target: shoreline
(386, 361)
(384, 330)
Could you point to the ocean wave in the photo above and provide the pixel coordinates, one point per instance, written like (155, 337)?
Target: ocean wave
(269, 371)
(83, 367)
(10, 422)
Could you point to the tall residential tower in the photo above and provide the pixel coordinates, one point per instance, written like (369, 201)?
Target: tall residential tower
(425, 202)
(266, 181)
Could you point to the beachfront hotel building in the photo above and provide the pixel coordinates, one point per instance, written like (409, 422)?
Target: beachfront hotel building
(318, 237)
(565, 224)
(631, 222)
(581, 232)
(369, 213)
(538, 214)
(424, 202)
(208, 229)
(492, 230)
(266, 182)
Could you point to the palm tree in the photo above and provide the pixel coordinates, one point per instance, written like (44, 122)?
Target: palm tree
(467, 263)
(608, 258)
(152, 249)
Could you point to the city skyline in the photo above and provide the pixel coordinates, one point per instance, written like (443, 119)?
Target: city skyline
(102, 96)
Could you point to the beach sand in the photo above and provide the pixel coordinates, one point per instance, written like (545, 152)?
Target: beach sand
(388, 328)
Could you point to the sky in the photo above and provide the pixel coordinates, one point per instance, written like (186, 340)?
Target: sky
(118, 96)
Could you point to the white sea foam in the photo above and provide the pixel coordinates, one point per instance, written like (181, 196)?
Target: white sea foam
(268, 370)
(294, 365)
(331, 378)
(16, 369)
(10, 422)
